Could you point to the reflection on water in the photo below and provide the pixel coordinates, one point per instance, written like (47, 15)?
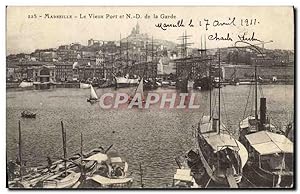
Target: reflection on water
(152, 137)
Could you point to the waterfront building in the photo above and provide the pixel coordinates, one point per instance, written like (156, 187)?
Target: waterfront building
(63, 71)
(43, 74)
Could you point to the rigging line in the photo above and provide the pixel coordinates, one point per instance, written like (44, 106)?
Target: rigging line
(225, 112)
(249, 181)
(261, 91)
(284, 107)
(214, 103)
(274, 122)
(77, 149)
(60, 148)
(252, 107)
(247, 101)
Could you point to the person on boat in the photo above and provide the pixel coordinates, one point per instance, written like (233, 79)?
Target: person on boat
(110, 171)
(12, 167)
(224, 162)
(83, 169)
(49, 161)
(119, 172)
(18, 162)
(103, 169)
(113, 172)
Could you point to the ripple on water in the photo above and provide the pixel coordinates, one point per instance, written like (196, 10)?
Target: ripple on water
(152, 137)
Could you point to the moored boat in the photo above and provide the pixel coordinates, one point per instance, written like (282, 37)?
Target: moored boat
(60, 180)
(184, 179)
(100, 167)
(270, 159)
(25, 84)
(84, 86)
(222, 156)
(126, 81)
(111, 172)
(270, 151)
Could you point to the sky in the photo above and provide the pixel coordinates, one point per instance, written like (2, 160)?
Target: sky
(25, 33)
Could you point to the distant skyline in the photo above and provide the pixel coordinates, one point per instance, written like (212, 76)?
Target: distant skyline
(25, 35)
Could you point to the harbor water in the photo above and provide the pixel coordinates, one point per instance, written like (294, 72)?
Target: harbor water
(152, 137)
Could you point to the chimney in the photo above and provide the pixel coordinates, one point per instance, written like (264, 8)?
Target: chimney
(263, 110)
(215, 124)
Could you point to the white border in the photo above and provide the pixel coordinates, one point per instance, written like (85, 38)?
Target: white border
(113, 3)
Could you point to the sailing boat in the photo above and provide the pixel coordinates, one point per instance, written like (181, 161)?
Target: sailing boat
(138, 90)
(222, 156)
(270, 151)
(65, 178)
(93, 96)
(98, 167)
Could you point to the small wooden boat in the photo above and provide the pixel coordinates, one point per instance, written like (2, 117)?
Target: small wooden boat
(92, 169)
(111, 172)
(61, 180)
(184, 179)
(27, 114)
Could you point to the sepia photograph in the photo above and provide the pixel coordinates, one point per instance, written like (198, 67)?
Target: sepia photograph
(150, 97)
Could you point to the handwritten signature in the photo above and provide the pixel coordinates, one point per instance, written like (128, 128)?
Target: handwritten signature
(227, 37)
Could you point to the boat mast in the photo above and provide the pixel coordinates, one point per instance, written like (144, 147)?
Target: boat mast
(81, 147)
(255, 75)
(210, 90)
(209, 73)
(120, 46)
(64, 146)
(127, 57)
(219, 86)
(152, 57)
(20, 149)
(141, 176)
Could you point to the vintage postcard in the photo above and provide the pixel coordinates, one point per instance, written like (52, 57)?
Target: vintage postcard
(168, 97)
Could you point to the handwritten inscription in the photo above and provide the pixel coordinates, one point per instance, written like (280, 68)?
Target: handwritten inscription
(220, 26)
(242, 37)
(165, 26)
(207, 23)
(217, 37)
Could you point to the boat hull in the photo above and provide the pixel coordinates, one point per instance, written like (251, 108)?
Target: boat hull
(122, 82)
(212, 174)
(263, 179)
(92, 100)
(31, 115)
(221, 177)
(67, 182)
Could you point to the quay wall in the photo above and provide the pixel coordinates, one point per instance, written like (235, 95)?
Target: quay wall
(246, 72)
